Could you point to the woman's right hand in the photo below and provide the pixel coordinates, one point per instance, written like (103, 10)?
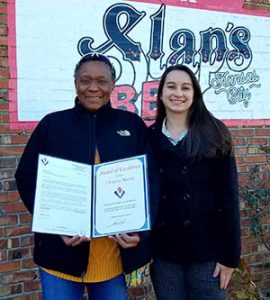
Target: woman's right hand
(225, 274)
(74, 240)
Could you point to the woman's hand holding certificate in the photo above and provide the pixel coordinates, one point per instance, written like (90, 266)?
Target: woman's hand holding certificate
(127, 240)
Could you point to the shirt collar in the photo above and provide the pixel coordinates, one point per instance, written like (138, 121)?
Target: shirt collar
(170, 137)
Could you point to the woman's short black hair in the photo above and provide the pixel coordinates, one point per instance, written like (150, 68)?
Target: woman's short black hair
(95, 57)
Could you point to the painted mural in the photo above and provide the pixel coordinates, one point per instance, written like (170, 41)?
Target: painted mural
(227, 49)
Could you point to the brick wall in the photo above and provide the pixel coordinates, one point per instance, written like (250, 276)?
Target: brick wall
(18, 275)
(247, 142)
(261, 5)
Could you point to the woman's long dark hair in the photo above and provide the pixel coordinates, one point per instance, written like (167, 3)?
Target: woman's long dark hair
(207, 136)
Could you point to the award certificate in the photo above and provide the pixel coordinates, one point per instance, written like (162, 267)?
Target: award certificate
(120, 197)
(62, 200)
(93, 201)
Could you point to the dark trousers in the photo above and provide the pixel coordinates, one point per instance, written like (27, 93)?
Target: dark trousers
(192, 282)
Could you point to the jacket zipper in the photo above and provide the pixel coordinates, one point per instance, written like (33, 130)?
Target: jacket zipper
(92, 138)
(92, 150)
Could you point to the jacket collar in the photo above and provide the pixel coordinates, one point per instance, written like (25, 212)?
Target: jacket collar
(81, 110)
(162, 142)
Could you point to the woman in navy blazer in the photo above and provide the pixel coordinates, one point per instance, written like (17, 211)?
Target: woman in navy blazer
(196, 238)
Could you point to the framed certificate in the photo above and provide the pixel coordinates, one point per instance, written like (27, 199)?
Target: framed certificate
(93, 201)
(120, 202)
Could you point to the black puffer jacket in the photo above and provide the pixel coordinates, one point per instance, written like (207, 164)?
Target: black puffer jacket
(74, 134)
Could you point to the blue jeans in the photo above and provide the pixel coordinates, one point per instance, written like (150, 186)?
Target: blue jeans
(55, 288)
(191, 282)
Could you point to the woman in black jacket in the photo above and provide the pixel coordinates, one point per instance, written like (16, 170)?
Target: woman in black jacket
(91, 132)
(196, 238)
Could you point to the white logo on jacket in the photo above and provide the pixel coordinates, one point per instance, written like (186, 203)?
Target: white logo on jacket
(123, 132)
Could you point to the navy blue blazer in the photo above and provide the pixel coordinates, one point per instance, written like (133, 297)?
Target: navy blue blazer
(198, 218)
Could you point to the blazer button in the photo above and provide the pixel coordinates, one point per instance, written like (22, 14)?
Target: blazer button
(187, 223)
(184, 170)
(186, 197)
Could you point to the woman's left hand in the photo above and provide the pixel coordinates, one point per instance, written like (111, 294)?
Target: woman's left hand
(74, 240)
(225, 274)
(127, 240)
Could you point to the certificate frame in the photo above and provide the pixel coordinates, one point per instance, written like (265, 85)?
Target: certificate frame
(126, 172)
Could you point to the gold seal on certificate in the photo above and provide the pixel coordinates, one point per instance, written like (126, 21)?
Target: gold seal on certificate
(100, 200)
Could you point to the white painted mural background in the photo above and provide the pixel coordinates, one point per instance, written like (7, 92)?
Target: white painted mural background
(48, 31)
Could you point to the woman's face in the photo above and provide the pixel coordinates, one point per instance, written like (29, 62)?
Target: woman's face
(178, 92)
(94, 85)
